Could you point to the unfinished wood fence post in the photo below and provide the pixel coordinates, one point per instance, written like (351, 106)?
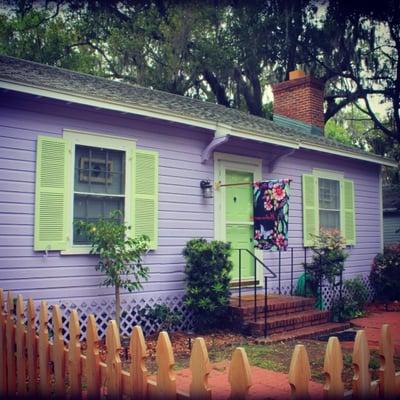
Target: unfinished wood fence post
(201, 368)
(138, 370)
(299, 373)
(10, 334)
(44, 368)
(93, 379)
(333, 367)
(362, 377)
(58, 353)
(20, 347)
(114, 367)
(74, 357)
(31, 344)
(239, 375)
(166, 379)
(387, 372)
(3, 347)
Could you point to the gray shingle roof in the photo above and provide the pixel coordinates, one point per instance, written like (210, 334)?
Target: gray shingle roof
(65, 81)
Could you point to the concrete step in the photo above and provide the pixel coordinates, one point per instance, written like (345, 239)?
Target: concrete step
(308, 332)
(289, 322)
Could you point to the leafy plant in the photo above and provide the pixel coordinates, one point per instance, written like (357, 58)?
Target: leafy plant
(327, 262)
(207, 269)
(385, 274)
(120, 256)
(353, 302)
(163, 316)
(358, 292)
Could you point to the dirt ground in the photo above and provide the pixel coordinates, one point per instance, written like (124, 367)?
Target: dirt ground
(275, 357)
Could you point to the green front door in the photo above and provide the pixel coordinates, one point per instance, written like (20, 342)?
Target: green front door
(239, 221)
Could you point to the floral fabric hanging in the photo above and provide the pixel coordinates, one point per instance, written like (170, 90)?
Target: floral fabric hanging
(271, 214)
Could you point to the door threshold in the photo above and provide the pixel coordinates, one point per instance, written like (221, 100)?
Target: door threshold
(250, 282)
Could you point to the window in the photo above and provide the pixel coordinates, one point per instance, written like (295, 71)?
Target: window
(328, 203)
(84, 177)
(99, 185)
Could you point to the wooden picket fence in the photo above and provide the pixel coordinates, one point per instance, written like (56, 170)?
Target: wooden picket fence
(32, 365)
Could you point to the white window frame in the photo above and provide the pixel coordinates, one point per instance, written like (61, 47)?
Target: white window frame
(334, 176)
(128, 146)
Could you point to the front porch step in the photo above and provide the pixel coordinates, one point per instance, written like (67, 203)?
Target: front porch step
(276, 305)
(309, 332)
(284, 323)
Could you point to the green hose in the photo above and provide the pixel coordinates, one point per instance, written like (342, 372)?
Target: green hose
(301, 290)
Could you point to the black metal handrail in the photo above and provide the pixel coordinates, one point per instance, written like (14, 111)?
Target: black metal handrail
(272, 275)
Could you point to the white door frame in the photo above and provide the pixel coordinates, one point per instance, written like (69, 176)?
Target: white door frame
(222, 162)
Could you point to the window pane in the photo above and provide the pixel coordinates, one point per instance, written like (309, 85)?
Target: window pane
(90, 208)
(329, 219)
(99, 170)
(329, 194)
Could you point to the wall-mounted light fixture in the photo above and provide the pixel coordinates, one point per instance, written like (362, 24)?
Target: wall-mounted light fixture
(206, 188)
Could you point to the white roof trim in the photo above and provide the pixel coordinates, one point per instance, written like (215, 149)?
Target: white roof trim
(167, 116)
(349, 154)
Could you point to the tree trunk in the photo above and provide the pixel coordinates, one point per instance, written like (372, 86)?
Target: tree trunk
(117, 305)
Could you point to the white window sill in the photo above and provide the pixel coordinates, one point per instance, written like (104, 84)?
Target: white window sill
(76, 250)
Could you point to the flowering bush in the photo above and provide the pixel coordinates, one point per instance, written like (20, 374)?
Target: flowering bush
(330, 255)
(327, 263)
(385, 274)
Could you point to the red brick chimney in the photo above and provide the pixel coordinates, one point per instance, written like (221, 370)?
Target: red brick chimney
(299, 103)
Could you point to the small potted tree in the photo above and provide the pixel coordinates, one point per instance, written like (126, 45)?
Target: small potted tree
(120, 256)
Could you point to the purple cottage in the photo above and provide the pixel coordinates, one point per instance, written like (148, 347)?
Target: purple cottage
(170, 158)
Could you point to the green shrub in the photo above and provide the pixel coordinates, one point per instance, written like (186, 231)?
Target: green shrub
(163, 316)
(357, 292)
(355, 298)
(207, 269)
(329, 256)
(385, 274)
(327, 264)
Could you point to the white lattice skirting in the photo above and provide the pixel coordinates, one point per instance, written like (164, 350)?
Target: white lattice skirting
(103, 310)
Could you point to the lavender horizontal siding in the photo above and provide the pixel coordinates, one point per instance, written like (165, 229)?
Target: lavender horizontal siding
(366, 181)
(183, 213)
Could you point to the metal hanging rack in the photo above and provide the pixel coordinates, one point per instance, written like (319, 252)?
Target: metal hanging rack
(218, 184)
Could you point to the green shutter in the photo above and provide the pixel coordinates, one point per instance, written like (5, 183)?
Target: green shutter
(347, 212)
(146, 195)
(51, 194)
(310, 209)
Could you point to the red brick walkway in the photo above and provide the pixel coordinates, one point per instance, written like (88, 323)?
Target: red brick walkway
(265, 384)
(373, 323)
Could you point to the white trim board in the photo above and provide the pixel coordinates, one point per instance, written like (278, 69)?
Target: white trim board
(223, 161)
